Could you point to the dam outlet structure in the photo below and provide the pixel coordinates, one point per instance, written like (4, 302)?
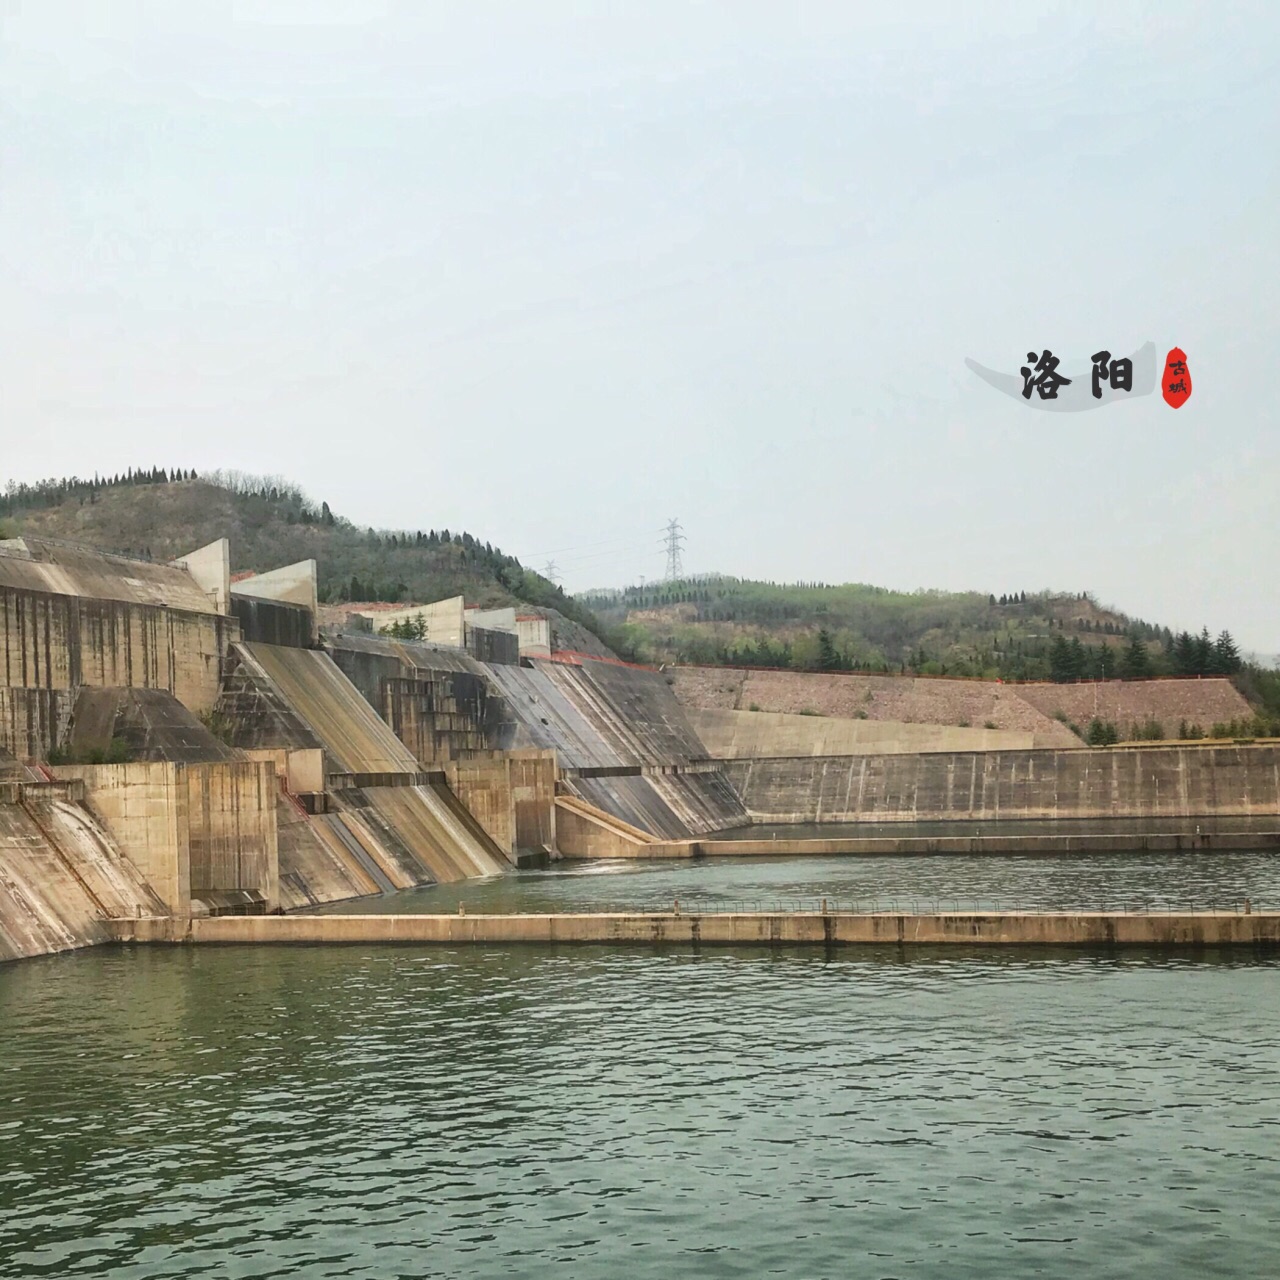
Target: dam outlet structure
(189, 754)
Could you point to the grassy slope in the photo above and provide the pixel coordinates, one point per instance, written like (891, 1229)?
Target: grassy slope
(933, 632)
(162, 521)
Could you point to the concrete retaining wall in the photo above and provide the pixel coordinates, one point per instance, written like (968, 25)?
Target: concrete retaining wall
(199, 831)
(984, 845)
(273, 621)
(512, 796)
(736, 735)
(441, 715)
(61, 641)
(1188, 930)
(231, 830)
(1122, 782)
(533, 796)
(585, 831)
(34, 721)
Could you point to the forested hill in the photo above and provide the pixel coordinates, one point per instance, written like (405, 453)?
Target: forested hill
(815, 626)
(161, 515)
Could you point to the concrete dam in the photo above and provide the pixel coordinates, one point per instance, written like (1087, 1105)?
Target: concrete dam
(179, 747)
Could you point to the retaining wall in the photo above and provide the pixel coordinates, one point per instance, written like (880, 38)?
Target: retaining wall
(512, 796)
(34, 721)
(1185, 930)
(195, 831)
(1125, 782)
(737, 735)
(1206, 702)
(1027, 708)
(910, 699)
(52, 641)
(585, 831)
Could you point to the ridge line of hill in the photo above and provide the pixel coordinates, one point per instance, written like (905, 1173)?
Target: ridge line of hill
(158, 514)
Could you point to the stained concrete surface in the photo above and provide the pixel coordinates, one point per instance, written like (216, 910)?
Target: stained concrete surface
(152, 725)
(1186, 930)
(62, 877)
(329, 705)
(1102, 784)
(668, 805)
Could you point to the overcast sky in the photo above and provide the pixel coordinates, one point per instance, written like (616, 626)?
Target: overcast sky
(554, 273)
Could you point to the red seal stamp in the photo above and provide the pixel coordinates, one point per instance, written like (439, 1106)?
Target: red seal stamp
(1175, 386)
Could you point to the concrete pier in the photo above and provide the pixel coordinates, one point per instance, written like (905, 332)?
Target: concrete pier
(1073, 929)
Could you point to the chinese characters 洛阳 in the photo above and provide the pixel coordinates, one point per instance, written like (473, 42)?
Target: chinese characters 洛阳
(1041, 374)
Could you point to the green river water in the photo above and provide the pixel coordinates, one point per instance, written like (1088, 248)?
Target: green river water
(380, 1112)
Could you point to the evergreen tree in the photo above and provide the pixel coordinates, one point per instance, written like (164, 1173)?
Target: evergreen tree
(1105, 663)
(1136, 662)
(1226, 657)
(1203, 663)
(1184, 654)
(1079, 659)
(1101, 733)
(1061, 663)
(828, 658)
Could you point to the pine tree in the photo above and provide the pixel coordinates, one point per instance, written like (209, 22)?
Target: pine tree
(828, 658)
(1061, 665)
(1184, 654)
(1203, 662)
(1105, 662)
(1079, 659)
(1226, 657)
(1136, 662)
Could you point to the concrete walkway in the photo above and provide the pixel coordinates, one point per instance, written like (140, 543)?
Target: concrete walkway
(1089, 929)
(872, 846)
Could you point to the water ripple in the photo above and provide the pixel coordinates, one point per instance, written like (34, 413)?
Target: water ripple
(362, 1112)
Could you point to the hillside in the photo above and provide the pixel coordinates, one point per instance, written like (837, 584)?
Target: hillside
(816, 627)
(272, 523)
(1058, 715)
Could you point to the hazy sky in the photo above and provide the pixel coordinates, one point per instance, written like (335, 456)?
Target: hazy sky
(555, 273)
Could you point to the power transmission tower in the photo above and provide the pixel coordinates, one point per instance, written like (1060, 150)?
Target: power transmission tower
(552, 573)
(674, 541)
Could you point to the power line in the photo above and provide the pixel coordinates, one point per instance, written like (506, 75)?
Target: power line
(551, 573)
(584, 546)
(674, 540)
